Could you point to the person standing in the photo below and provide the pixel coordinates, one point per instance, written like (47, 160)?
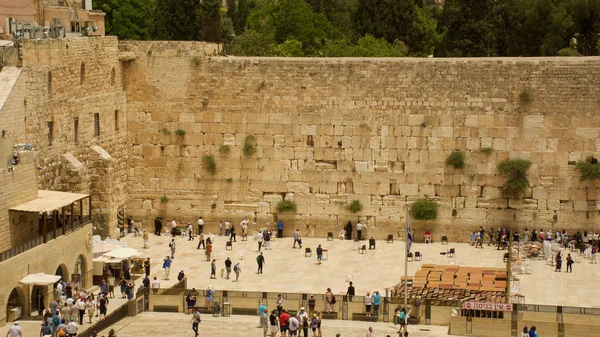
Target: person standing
(402, 317)
(348, 229)
(319, 254)
(368, 303)
(232, 234)
(200, 226)
(209, 296)
(147, 267)
(259, 239)
(303, 321)
(72, 328)
(172, 246)
(261, 311)
(376, 303)
(190, 299)
(311, 305)
(173, 227)
(220, 228)
(558, 262)
(237, 269)
(129, 225)
(102, 305)
(157, 226)
(195, 321)
(91, 308)
(569, 263)
(359, 228)
(190, 231)
(293, 326)
(227, 225)
(208, 250)
(227, 267)
(273, 324)
(264, 321)
(283, 322)
(297, 238)
(279, 304)
(267, 238)
(155, 285)
(260, 259)
(213, 269)
(329, 299)
(167, 267)
(146, 237)
(279, 229)
(350, 292)
(81, 307)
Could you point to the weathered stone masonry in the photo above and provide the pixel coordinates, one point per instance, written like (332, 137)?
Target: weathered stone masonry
(329, 131)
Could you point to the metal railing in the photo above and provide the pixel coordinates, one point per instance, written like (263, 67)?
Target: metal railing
(39, 240)
(110, 319)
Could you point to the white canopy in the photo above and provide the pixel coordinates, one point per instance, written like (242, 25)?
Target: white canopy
(106, 259)
(123, 253)
(40, 279)
(104, 247)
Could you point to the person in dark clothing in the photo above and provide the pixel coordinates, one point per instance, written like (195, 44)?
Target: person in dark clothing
(147, 267)
(146, 282)
(260, 260)
(157, 225)
(350, 292)
(180, 276)
(348, 229)
(129, 225)
(232, 234)
(279, 229)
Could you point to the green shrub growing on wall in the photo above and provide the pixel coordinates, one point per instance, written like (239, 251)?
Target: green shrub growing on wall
(516, 172)
(424, 209)
(180, 132)
(208, 163)
(588, 171)
(286, 206)
(249, 146)
(225, 150)
(456, 159)
(486, 150)
(526, 96)
(354, 206)
(164, 199)
(166, 132)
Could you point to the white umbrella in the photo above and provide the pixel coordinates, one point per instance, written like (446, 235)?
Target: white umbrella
(103, 247)
(123, 253)
(40, 279)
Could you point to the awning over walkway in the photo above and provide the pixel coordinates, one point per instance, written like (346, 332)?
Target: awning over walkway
(48, 201)
(40, 279)
(123, 253)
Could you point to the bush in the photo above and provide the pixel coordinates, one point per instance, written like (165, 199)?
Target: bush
(229, 180)
(225, 150)
(516, 171)
(249, 146)
(568, 52)
(286, 206)
(486, 150)
(180, 132)
(195, 60)
(164, 199)
(456, 159)
(526, 96)
(424, 209)
(588, 171)
(208, 163)
(354, 206)
(166, 132)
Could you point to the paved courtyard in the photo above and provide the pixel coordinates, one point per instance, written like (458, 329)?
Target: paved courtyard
(153, 324)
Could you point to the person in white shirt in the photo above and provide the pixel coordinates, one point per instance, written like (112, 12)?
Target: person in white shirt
(259, 238)
(72, 328)
(368, 302)
(370, 332)
(81, 307)
(59, 290)
(227, 225)
(190, 231)
(293, 326)
(200, 225)
(155, 285)
(359, 228)
(15, 331)
(173, 227)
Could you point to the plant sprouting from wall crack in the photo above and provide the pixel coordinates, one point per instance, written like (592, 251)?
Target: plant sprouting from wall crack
(249, 146)
(424, 209)
(456, 159)
(208, 163)
(286, 206)
(516, 172)
(354, 207)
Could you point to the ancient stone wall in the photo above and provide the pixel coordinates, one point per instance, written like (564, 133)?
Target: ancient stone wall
(63, 84)
(330, 131)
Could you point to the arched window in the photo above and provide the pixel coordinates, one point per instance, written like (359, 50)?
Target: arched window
(80, 269)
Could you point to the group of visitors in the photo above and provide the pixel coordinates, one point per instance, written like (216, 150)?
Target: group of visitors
(280, 320)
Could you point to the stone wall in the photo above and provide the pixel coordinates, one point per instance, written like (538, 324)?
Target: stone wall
(330, 131)
(67, 80)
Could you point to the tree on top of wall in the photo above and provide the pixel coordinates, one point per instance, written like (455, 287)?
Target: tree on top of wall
(128, 19)
(177, 20)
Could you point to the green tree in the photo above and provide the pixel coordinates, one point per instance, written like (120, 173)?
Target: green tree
(367, 46)
(289, 48)
(254, 42)
(469, 28)
(409, 21)
(238, 12)
(586, 24)
(177, 20)
(338, 12)
(127, 19)
(210, 20)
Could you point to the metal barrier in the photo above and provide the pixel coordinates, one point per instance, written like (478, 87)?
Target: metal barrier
(110, 319)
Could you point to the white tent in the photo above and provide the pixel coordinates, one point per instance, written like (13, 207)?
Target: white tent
(40, 279)
(123, 253)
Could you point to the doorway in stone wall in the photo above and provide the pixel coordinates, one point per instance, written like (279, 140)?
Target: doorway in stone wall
(15, 304)
(37, 300)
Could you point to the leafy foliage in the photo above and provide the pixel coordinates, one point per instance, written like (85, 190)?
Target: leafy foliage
(366, 46)
(516, 172)
(208, 163)
(526, 96)
(180, 132)
(568, 52)
(588, 171)
(456, 159)
(164, 199)
(424, 209)
(177, 20)
(225, 150)
(127, 19)
(166, 132)
(486, 150)
(286, 206)
(354, 207)
(249, 146)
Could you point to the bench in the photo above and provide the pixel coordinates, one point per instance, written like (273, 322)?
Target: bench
(244, 311)
(363, 317)
(330, 315)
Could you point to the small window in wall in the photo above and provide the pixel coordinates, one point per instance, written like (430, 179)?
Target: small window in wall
(116, 120)
(49, 82)
(113, 74)
(76, 130)
(96, 125)
(82, 73)
(50, 132)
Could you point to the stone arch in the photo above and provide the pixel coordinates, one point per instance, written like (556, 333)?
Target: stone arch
(16, 299)
(80, 269)
(63, 272)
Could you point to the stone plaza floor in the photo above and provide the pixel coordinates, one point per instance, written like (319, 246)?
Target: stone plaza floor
(154, 324)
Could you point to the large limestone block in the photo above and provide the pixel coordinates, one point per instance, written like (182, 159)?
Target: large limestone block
(591, 133)
(533, 121)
